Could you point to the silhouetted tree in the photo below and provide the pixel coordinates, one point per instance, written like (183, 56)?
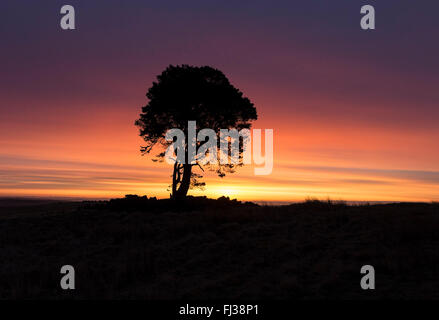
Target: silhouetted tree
(184, 93)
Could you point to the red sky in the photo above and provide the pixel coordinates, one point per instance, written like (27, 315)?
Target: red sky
(354, 113)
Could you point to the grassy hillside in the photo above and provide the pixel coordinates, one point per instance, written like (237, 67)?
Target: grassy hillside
(204, 249)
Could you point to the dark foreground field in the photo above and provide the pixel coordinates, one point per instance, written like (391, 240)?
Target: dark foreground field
(151, 249)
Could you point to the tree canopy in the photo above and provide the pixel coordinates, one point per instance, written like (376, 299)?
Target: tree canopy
(188, 93)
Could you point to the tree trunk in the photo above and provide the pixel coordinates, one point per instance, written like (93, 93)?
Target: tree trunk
(181, 192)
(174, 180)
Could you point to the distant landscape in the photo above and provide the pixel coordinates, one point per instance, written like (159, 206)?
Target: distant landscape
(199, 248)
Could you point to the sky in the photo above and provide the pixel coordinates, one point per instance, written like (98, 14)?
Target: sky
(354, 112)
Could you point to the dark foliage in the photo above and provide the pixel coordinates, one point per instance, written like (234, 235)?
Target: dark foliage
(187, 93)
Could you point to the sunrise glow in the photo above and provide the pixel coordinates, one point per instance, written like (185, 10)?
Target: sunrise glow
(350, 120)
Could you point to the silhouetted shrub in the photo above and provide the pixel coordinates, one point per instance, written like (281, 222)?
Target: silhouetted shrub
(190, 203)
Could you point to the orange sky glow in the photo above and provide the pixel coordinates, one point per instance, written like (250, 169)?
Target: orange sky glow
(354, 113)
(97, 156)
